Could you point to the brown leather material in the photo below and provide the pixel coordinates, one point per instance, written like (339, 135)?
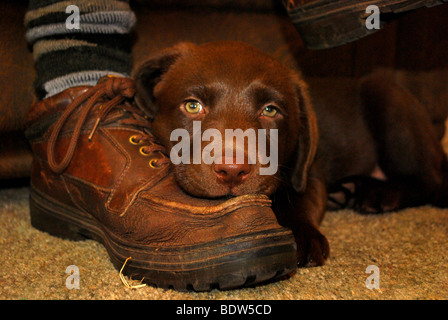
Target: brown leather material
(111, 188)
(50, 106)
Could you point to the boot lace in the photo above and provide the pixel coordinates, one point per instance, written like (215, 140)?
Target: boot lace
(118, 92)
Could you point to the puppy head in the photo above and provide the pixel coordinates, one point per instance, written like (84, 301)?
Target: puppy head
(222, 88)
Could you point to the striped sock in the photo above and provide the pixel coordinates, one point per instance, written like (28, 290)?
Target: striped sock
(72, 57)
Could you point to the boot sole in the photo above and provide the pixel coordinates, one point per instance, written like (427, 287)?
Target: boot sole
(329, 23)
(225, 264)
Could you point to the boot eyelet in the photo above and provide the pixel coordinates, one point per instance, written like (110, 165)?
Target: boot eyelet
(142, 151)
(134, 141)
(153, 163)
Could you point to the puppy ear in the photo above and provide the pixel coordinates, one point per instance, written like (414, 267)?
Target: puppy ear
(308, 138)
(151, 71)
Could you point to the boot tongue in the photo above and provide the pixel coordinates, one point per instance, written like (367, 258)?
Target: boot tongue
(53, 105)
(56, 104)
(44, 113)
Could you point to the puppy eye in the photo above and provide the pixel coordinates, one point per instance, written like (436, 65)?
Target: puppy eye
(193, 106)
(270, 111)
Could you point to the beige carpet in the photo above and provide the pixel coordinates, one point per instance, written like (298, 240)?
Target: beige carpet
(410, 249)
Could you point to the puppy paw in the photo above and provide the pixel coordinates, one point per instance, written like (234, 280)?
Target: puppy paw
(312, 247)
(365, 195)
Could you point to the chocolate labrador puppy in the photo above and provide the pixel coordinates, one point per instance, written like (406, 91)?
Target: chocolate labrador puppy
(376, 150)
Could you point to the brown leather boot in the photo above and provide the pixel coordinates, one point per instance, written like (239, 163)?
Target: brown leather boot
(98, 173)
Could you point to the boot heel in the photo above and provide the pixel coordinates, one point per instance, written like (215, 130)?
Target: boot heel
(48, 220)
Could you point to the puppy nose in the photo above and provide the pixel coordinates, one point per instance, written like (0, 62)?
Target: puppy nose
(232, 174)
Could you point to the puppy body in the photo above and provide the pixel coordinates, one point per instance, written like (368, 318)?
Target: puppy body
(231, 85)
(377, 123)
